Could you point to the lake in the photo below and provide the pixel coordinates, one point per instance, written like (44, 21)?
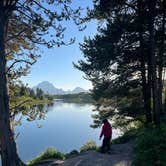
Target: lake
(66, 127)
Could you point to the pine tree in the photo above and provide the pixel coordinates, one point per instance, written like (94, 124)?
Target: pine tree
(37, 24)
(127, 56)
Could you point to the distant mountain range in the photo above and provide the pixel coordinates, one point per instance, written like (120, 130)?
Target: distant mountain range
(48, 88)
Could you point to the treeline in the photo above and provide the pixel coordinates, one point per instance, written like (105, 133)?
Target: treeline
(25, 100)
(23, 90)
(126, 61)
(76, 98)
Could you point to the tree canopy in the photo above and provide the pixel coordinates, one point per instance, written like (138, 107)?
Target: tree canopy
(125, 61)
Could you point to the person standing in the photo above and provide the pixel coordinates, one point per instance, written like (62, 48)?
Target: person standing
(107, 133)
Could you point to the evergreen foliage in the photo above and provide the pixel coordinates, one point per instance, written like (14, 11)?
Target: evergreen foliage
(124, 61)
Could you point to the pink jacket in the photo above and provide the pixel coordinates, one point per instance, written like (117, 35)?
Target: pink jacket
(106, 130)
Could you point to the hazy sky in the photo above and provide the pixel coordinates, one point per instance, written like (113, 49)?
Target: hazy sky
(56, 66)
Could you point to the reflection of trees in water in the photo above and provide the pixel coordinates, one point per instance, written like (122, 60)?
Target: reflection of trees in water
(32, 113)
(37, 112)
(50, 104)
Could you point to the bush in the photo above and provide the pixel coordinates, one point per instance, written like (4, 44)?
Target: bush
(72, 153)
(150, 149)
(90, 145)
(48, 154)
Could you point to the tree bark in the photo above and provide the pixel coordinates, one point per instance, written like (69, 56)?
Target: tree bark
(146, 93)
(9, 154)
(145, 81)
(161, 55)
(156, 111)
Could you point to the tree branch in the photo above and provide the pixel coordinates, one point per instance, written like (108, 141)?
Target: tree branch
(17, 61)
(20, 104)
(15, 36)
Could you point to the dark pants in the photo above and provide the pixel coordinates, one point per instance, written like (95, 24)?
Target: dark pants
(106, 144)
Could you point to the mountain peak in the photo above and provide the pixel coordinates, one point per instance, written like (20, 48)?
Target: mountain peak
(78, 90)
(49, 88)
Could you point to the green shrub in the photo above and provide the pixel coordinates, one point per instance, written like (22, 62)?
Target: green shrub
(150, 149)
(90, 145)
(73, 152)
(48, 154)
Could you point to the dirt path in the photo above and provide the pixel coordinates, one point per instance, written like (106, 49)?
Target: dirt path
(121, 155)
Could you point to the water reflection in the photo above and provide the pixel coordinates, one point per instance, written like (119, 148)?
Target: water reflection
(65, 126)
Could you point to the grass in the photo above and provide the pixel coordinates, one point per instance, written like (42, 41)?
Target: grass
(47, 154)
(52, 153)
(90, 145)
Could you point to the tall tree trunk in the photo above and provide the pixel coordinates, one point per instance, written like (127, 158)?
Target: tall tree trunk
(156, 111)
(164, 105)
(146, 94)
(145, 84)
(161, 54)
(149, 88)
(9, 154)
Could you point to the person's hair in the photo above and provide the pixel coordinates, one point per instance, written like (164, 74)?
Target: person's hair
(105, 121)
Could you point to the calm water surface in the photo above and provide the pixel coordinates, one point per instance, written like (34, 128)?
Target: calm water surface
(66, 127)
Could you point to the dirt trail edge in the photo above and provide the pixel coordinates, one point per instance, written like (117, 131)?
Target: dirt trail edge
(121, 155)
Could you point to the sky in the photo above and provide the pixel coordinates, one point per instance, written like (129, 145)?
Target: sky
(56, 64)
